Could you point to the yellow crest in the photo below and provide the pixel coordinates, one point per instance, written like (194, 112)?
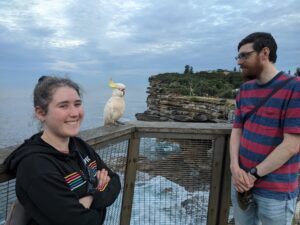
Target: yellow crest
(112, 84)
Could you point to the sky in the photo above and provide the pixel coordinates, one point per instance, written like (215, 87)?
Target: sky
(130, 40)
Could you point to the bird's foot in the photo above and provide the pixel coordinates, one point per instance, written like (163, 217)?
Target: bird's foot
(119, 123)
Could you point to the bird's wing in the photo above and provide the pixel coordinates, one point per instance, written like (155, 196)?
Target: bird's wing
(113, 110)
(107, 112)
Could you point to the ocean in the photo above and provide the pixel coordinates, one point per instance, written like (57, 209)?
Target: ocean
(180, 206)
(17, 117)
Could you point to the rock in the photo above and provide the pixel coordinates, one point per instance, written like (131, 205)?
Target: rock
(147, 117)
(164, 106)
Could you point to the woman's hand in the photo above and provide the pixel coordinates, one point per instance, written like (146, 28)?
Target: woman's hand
(86, 201)
(103, 179)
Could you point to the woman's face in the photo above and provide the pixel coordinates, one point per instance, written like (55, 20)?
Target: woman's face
(65, 113)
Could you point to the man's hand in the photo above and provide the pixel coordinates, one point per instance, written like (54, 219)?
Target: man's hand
(241, 180)
(251, 177)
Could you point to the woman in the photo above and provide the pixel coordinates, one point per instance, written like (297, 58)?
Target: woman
(60, 178)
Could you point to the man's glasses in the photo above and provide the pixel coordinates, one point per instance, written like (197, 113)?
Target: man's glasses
(244, 55)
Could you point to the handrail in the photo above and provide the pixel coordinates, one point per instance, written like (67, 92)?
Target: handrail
(133, 131)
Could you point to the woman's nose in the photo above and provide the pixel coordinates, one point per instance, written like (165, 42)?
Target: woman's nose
(74, 111)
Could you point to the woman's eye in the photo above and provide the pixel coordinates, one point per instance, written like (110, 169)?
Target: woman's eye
(63, 106)
(78, 104)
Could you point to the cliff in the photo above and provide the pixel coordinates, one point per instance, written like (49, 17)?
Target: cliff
(166, 105)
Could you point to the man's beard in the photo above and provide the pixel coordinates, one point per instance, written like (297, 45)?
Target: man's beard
(253, 71)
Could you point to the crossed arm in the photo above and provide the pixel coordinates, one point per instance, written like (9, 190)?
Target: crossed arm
(103, 179)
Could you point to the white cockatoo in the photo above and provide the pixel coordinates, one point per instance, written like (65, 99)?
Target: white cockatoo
(115, 106)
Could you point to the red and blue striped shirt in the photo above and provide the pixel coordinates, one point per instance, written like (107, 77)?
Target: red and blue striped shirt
(263, 132)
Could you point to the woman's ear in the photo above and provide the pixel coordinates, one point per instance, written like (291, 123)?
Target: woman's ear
(40, 113)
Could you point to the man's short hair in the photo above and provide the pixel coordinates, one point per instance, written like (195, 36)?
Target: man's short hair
(261, 40)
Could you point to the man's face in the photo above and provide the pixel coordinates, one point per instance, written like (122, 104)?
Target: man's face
(249, 62)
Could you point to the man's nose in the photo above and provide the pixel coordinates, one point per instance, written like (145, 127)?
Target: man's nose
(240, 62)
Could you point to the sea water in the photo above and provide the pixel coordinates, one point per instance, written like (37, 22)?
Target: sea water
(18, 123)
(17, 116)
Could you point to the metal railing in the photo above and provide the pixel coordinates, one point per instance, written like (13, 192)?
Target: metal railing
(171, 173)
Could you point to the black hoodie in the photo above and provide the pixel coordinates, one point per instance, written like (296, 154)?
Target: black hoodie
(50, 183)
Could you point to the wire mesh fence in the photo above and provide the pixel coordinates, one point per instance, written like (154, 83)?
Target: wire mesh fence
(115, 156)
(7, 197)
(172, 183)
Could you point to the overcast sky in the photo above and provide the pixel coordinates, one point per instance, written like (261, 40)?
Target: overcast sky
(129, 40)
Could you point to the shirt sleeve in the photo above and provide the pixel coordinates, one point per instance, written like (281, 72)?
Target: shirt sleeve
(238, 123)
(292, 110)
(106, 197)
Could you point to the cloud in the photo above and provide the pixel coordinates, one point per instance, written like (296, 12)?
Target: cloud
(64, 43)
(63, 66)
(137, 37)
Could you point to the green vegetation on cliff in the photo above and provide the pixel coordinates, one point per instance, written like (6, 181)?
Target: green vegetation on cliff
(219, 83)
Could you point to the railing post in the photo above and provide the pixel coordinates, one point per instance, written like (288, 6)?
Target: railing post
(215, 187)
(225, 187)
(129, 182)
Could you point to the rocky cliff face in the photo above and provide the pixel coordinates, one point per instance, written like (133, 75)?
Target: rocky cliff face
(165, 106)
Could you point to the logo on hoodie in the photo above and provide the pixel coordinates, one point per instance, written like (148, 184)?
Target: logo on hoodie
(86, 160)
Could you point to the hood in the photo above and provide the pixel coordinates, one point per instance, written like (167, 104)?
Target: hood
(33, 145)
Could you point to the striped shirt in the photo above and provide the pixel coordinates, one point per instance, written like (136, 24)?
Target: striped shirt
(264, 130)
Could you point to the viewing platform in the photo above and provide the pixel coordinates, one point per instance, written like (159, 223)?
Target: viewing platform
(171, 173)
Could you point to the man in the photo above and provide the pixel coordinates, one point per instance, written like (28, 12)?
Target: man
(264, 148)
